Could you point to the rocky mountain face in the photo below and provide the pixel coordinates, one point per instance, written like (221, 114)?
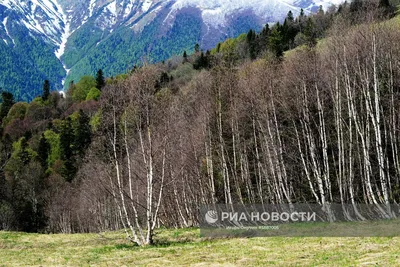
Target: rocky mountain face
(62, 40)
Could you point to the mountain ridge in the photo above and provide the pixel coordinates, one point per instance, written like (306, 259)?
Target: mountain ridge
(83, 34)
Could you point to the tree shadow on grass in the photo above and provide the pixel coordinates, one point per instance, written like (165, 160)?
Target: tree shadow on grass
(176, 237)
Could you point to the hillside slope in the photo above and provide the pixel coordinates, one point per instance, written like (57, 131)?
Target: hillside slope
(63, 40)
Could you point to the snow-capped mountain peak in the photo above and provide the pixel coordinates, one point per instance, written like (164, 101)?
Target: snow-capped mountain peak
(216, 12)
(56, 20)
(40, 16)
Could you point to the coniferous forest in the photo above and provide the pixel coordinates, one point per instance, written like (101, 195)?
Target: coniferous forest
(303, 111)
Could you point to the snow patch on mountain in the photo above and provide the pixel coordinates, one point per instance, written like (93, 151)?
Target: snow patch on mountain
(146, 5)
(7, 3)
(5, 20)
(108, 17)
(66, 31)
(39, 16)
(215, 13)
(215, 17)
(112, 7)
(128, 8)
(91, 7)
(5, 25)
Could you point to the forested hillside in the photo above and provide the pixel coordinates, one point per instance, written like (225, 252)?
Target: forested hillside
(63, 40)
(26, 63)
(303, 111)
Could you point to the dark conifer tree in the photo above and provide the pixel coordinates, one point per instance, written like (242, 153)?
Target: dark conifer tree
(387, 7)
(66, 140)
(275, 41)
(290, 16)
(71, 85)
(8, 102)
(46, 90)
(164, 79)
(197, 48)
(290, 30)
(263, 39)
(71, 88)
(100, 81)
(83, 133)
(69, 170)
(185, 57)
(384, 3)
(28, 135)
(321, 11)
(3, 187)
(43, 151)
(310, 32)
(251, 38)
(356, 5)
(202, 61)
(219, 47)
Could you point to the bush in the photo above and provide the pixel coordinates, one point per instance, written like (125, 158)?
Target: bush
(17, 111)
(94, 94)
(82, 88)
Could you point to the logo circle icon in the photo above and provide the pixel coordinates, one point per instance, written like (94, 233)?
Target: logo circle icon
(211, 216)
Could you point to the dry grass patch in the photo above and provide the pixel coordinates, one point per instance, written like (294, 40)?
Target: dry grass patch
(186, 248)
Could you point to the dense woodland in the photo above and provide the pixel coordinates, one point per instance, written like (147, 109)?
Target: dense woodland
(304, 111)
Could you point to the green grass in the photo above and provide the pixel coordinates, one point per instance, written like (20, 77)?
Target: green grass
(185, 248)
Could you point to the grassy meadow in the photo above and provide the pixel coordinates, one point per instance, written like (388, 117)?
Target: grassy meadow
(185, 247)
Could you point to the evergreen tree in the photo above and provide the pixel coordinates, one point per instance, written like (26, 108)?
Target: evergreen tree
(285, 34)
(290, 16)
(251, 38)
(43, 151)
(219, 47)
(69, 170)
(100, 81)
(275, 41)
(3, 186)
(384, 3)
(83, 133)
(321, 10)
(8, 102)
(197, 48)
(263, 39)
(162, 82)
(289, 31)
(46, 90)
(386, 7)
(28, 135)
(310, 33)
(71, 88)
(356, 5)
(71, 85)
(185, 57)
(164, 79)
(202, 61)
(66, 140)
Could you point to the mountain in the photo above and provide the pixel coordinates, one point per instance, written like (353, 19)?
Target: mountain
(62, 40)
